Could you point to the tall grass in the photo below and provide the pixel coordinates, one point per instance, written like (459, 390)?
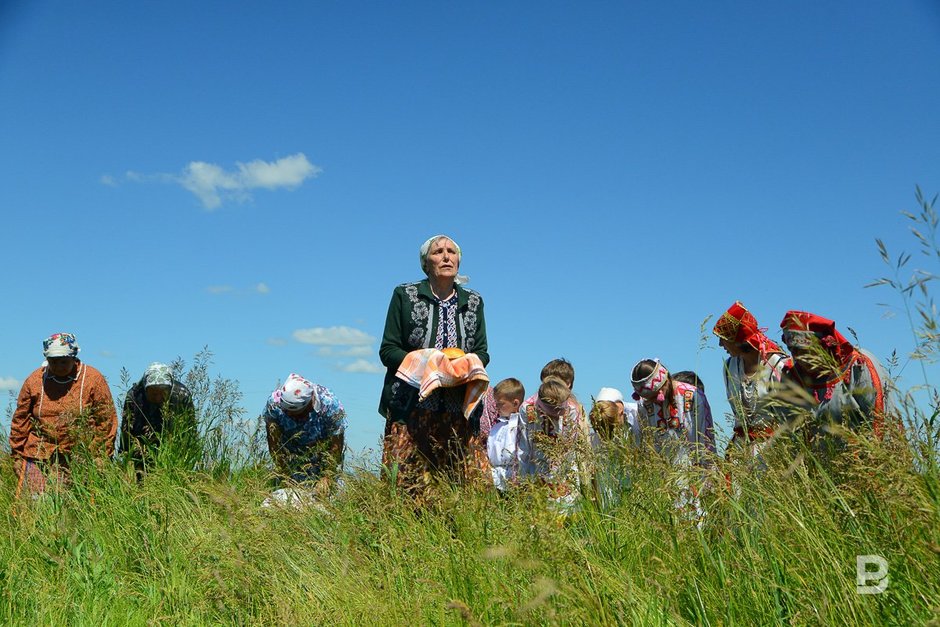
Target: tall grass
(196, 547)
(191, 548)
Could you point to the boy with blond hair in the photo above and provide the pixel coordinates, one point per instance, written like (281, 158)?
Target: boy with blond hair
(508, 446)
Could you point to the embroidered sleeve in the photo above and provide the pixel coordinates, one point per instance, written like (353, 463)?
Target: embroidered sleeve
(393, 350)
(475, 328)
(184, 409)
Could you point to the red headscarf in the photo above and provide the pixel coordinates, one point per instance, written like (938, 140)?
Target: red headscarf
(799, 326)
(738, 325)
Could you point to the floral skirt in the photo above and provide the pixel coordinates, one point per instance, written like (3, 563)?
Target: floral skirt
(429, 445)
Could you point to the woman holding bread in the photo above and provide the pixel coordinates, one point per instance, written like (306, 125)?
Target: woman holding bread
(436, 324)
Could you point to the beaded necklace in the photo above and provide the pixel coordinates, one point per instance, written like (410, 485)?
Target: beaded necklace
(81, 389)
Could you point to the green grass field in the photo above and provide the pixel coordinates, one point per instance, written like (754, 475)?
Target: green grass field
(192, 548)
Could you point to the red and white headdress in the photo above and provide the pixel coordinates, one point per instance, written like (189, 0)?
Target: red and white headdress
(740, 326)
(651, 384)
(804, 329)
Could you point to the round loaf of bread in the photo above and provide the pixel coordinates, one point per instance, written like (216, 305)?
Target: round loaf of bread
(453, 353)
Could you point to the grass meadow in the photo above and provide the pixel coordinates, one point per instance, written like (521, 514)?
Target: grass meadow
(190, 547)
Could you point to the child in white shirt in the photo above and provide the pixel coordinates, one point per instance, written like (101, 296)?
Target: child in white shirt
(508, 443)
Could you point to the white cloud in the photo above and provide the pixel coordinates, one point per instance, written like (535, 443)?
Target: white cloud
(333, 336)
(107, 179)
(363, 366)
(276, 341)
(288, 172)
(352, 351)
(219, 289)
(262, 288)
(213, 185)
(9, 383)
(205, 180)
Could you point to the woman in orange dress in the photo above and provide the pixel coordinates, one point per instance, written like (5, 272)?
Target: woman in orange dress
(64, 405)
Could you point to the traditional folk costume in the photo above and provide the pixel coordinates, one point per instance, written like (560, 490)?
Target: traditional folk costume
(431, 435)
(749, 394)
(54, 416)
(560, 439)
(855, 395)
(681, 428)
(303, 446)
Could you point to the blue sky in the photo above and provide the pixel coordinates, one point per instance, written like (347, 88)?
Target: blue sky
(256, 178)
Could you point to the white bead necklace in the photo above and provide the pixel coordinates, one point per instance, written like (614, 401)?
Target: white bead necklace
(81, 391)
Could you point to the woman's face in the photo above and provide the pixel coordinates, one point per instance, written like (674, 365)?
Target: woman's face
(157, 394)
(730, 347)
(61, 366)
(442, 260)
(814, 361)
(299, 414)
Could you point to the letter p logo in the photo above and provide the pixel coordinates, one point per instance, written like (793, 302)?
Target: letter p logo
(864, 575)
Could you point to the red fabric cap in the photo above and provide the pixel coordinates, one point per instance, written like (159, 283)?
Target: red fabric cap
(740, 326)
(823, 328)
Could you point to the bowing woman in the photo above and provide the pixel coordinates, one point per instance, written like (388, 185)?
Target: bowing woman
(64, 405)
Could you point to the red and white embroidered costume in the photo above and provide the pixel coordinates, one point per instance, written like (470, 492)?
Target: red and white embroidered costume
(857, 395)
(749, 394)
(681, 430)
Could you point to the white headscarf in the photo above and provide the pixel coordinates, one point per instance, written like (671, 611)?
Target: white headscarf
(294, 394)
(460, 279)
(612, 395)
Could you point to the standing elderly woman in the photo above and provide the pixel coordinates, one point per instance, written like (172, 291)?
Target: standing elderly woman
(754, 369)
(433, 434)
(64, 404)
